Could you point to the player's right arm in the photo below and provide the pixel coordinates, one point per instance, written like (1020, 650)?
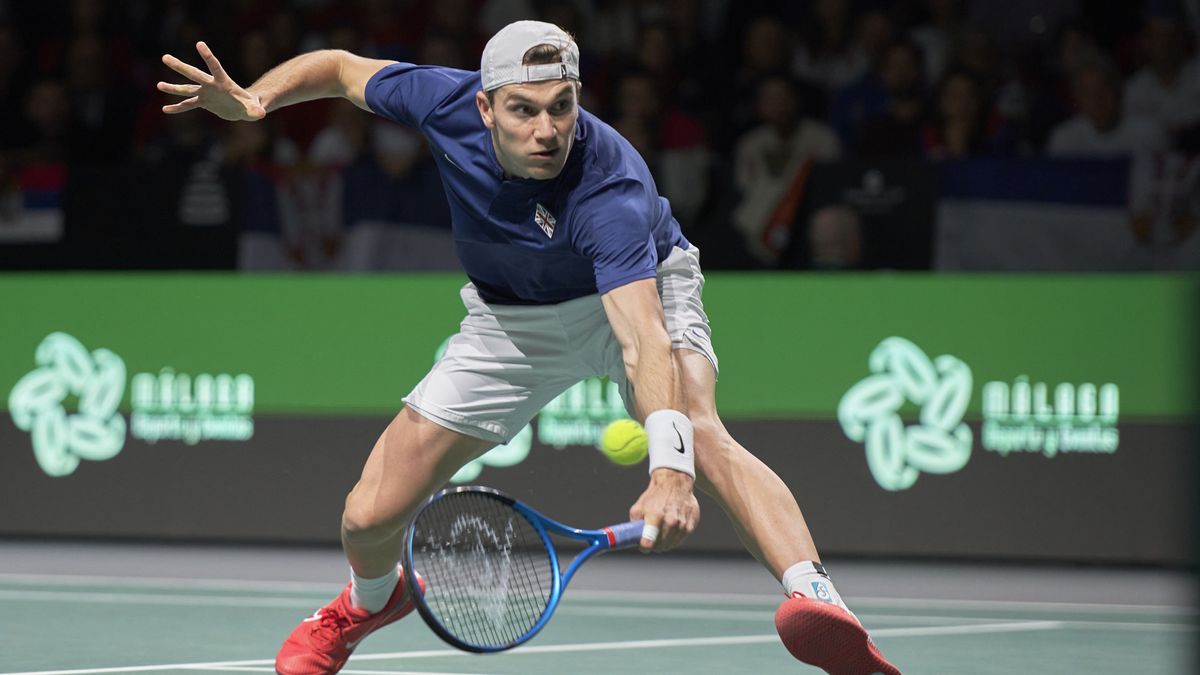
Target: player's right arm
(327, 73)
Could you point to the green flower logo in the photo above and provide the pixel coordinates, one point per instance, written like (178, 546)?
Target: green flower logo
(870, 413)
(96, 380)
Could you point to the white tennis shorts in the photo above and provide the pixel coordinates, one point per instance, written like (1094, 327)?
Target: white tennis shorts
(508, 361)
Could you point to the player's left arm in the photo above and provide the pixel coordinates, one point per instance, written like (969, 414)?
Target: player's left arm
(635, 312)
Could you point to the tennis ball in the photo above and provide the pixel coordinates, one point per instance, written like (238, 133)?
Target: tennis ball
(624, 442)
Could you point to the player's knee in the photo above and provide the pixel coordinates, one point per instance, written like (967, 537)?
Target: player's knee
(362, 521)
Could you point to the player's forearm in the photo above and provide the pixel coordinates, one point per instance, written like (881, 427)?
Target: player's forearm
(303, 78)
(655, 377)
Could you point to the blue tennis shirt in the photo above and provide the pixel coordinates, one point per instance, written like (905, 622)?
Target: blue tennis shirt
(598, 225)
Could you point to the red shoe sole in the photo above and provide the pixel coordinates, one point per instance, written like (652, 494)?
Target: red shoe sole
(828, 637)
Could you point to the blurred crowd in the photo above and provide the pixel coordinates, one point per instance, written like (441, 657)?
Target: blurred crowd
(727, 100)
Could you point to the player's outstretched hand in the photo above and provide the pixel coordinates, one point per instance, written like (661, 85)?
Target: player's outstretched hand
(669, 508)
(213, 91)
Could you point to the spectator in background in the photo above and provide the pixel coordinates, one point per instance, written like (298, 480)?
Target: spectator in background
(613, 30)
(1167, 87)
(672, 142)
(657, 56)
(771, 163)
(1100, 129)
(937, 34)
(897, 131)
(867, 96)
(975, 52)
(14, 83)
(47, 123)
(284, 32)
(441, 49)
(396, 149)
(686, 21)
(827, 55)
(254, 145)
(766, 51)
(344, 140)
(181, 142)
(1050, 101)
(102, 108)
(835, 239)
(457, 20)
(345, 36)
(962, 124)
(255, 56)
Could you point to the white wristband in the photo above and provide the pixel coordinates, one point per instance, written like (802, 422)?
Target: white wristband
(670, 435)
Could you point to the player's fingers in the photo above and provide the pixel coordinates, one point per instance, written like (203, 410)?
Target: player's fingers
(676, 528)
(189, 71)
(650, 534)
(672, 535)
(637, 511)
(179, 89)
(210, 60)
(182, 106)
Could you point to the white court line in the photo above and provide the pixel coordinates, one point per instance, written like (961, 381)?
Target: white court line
(173, 582)
(756, 616)
(1080, 607)
(692, 614)
(156, 599)
(342, 671)
(1005, 627)
(597, 595)
(639, 597)
(1132, 626)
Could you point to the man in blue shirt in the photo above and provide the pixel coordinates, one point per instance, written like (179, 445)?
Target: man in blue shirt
(577, 269)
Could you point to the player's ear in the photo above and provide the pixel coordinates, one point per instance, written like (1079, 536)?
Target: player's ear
(485, 109)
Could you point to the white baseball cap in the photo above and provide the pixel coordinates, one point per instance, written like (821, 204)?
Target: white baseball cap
(501, 63)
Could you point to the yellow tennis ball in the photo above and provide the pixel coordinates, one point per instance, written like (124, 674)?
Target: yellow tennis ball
(624, 442)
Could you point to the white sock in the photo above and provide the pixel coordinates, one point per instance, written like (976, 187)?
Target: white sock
(372, 594)
(810, 580)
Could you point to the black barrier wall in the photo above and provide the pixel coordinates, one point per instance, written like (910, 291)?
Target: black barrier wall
(288, 483)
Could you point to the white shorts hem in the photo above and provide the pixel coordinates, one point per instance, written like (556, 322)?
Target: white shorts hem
(486, 431)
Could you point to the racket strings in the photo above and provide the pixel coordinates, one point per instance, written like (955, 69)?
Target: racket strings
(489, 575)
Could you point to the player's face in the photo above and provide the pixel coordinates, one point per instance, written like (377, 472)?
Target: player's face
(532, 125)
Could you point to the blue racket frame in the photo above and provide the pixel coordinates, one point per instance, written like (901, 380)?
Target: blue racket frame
(613, 537)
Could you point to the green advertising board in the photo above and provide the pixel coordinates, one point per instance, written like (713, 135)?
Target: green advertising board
(790, 346)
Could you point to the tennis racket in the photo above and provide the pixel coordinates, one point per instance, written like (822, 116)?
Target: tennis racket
(492, 574)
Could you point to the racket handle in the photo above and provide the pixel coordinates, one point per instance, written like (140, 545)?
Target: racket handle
(625, 535)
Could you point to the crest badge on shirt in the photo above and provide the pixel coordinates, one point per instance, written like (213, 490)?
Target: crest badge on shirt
(544, 220)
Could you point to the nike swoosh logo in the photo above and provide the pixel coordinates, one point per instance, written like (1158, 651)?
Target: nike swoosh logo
(452, 162)
(680, 448)
(315, 617)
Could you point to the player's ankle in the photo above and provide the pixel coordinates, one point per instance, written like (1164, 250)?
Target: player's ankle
(372, 595)
(809, 579)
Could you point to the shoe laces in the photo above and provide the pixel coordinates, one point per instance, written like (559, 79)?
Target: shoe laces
(331, 625)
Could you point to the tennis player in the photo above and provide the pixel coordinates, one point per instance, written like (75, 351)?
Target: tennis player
(577, 269)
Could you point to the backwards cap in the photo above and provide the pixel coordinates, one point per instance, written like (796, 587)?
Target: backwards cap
(501, 63)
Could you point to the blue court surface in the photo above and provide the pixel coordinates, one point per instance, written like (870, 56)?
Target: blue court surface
(118, 608)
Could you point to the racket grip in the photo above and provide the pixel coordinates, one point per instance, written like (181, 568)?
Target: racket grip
(625, 535)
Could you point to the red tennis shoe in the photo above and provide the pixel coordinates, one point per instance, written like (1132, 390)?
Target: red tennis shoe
(321, 643)
(828, 637)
